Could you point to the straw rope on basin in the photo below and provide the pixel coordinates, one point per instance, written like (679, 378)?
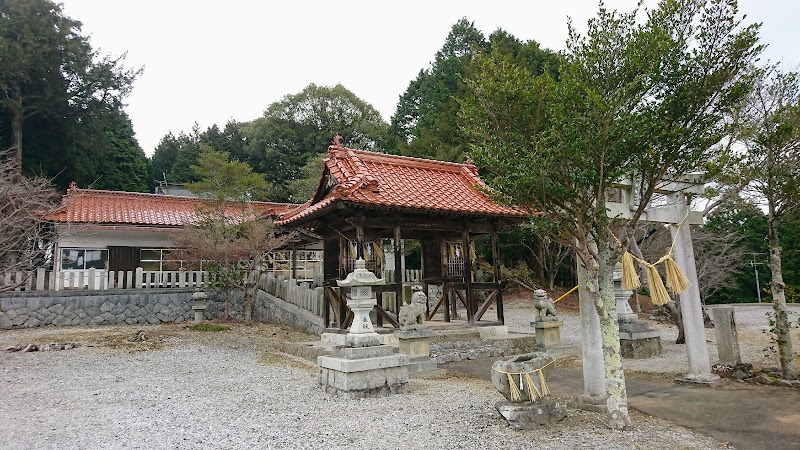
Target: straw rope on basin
(523, 378)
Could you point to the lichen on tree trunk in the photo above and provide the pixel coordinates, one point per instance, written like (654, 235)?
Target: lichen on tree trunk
(600, 286)
(782, 326)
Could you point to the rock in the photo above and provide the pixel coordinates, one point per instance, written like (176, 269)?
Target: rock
(763, 379)
(30, 348)
(140, 337)
(531, 415)
(15, 348)
(739, 375)
(784, 383)
(796, 384)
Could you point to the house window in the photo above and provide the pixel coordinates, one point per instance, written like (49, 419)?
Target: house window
(161, 259)
(83, 258)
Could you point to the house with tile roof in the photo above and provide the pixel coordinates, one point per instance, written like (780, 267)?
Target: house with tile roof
(364, 198)
(121, 231)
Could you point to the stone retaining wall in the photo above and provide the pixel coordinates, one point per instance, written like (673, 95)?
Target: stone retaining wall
(141, 306)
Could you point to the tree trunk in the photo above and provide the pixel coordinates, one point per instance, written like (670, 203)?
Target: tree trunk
(617, 401)
(782, 326)
(248, 319)
(227, 297)
(17, 120)
(674, 307)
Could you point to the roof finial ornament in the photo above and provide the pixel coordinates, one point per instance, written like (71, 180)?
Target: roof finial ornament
(72, 187)
(469, 162)
(337, 140)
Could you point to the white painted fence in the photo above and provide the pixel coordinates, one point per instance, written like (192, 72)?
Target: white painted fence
(95, 279)
(300, 294)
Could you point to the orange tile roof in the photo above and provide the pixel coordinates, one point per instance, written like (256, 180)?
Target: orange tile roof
(133, 208)
(377, 179)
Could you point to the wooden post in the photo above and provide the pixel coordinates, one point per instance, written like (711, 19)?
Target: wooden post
(359, 241)
(139, 275)
(294, 261)
(445, 284)
(497, 279)
(398, 270)
(468, 278)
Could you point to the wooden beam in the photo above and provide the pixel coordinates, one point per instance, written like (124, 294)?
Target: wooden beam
(335, 302)
(436, 308)
(382, 313)
(485, 305)
(462, 298)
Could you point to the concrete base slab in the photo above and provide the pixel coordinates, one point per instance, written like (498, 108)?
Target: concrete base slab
(531, 415)
(588, 403)
(708, 380)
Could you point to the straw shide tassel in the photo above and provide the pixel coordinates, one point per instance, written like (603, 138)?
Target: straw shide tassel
(630, 278)
(676, 280)
(658, 293)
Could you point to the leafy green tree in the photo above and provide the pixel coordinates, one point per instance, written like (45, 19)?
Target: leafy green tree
(174, 157)
(49, 67)
(749, 223)
(302, 189)
(424, 124)
(225, 182)
(106, 155)
(303, 124)
(643, 100)
(61, 102)
(772, 143)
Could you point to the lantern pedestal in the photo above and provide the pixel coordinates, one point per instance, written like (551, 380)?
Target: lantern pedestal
(362, 368)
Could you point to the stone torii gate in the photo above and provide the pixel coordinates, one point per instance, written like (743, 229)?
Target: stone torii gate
(623, 200)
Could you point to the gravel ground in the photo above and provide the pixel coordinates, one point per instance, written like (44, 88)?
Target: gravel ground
(184, 389)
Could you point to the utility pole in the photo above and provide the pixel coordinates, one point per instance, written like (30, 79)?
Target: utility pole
(755, 269)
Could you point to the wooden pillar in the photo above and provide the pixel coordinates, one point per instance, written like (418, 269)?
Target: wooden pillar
(342, 274)
(294, 261)
(497, 279)
(359, 241)
(468, 278)
(398, 269)
(445, 284)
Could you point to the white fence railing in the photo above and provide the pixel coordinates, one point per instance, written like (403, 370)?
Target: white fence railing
(299, 294)
(95, 279)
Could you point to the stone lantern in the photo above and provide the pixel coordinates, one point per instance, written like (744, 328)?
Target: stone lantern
(362, 367)
(199, 305)
(361, 302)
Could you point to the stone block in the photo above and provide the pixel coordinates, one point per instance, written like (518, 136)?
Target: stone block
(32, 322)
(528, 416)
(727, 337)
(548, 333)
(641, 348)
(360, 365)
(492, 332)
(362, 352)
(61, 320)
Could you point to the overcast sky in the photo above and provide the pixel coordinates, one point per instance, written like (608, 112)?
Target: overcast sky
(210, 62)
